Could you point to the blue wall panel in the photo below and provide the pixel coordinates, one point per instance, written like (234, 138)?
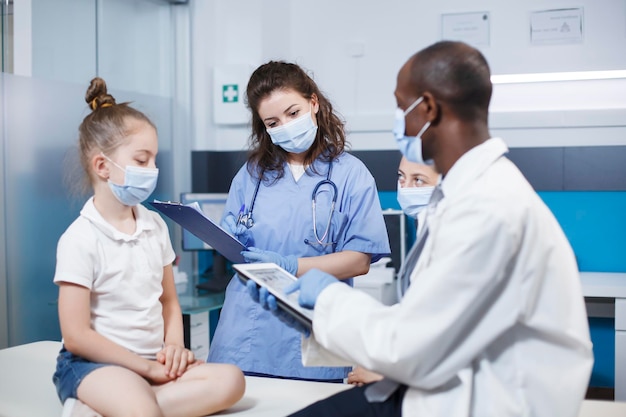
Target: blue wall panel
(595, 224)
(603, 338)
(389, 200)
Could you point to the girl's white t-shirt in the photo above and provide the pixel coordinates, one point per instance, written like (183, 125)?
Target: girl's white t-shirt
(123, 272)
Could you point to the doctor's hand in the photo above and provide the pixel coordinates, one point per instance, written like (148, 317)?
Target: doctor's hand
(288, 263)
(311, 284)
(238, 230)
(268, 302)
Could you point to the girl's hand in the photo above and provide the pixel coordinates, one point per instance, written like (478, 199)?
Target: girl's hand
(176, 359)
(360, 376)
(157, 373)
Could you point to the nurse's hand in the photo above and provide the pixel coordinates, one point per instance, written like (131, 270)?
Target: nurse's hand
(238, 230)
(268, 302)
(311, 284)
(288, 263)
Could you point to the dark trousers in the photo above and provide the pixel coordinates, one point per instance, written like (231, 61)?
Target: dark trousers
(352, 403)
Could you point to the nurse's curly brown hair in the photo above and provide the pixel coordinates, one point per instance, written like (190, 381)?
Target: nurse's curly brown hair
(265, 157)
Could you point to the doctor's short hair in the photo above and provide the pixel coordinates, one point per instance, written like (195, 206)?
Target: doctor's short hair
(264, 156)
(456, 74)
(104, 129)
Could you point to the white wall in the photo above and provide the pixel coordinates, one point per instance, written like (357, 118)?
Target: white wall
(323, 36)
(135, 44)
(128, 43)
(63, 36)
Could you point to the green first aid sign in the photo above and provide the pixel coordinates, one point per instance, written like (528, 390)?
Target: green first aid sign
(230, 93)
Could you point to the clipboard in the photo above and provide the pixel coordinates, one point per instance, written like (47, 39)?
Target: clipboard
(191, 218)
(276, 279)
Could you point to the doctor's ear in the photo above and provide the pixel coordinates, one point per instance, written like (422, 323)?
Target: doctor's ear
(100, 167)
(433, 108)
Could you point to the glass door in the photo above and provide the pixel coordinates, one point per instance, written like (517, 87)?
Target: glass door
(6, 35)
(129, 43)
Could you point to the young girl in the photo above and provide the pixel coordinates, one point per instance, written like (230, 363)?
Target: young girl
(123, 352)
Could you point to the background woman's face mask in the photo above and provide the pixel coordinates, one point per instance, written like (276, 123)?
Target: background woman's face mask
(410, 146)
(297, 136)
(414, 199)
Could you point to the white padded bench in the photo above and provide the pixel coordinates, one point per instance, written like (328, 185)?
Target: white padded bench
(26, 389)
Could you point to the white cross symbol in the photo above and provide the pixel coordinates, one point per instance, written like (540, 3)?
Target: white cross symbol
(230, 93)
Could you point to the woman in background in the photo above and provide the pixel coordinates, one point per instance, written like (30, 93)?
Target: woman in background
(416, 183)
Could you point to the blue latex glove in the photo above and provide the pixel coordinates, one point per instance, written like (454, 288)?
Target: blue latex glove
(268, 302)
(311, 285)
(255, 255)
(241, 232)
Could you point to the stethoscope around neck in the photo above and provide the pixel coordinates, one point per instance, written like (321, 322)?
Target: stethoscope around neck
(247, 220)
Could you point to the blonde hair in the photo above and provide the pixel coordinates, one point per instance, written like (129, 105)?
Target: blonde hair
(106, 127)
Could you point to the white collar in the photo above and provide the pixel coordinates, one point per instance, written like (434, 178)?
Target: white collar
(142, 217)
(471, 165)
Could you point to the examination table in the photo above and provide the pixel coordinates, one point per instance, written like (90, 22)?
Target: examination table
(26, 389)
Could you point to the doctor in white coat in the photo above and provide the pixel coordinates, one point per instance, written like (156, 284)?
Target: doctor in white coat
(493, 323)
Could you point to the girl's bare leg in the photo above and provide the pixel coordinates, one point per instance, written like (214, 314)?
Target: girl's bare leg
(114, 391)
(204, 389)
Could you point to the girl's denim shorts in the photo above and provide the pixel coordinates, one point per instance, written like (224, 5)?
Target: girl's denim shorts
(71, 370)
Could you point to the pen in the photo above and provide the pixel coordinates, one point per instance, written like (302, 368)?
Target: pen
(241, 211)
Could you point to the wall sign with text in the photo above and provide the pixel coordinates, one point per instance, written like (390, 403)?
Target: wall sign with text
(556, 26)
(471, 28)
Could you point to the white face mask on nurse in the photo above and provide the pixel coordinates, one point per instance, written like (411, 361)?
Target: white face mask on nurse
(290, 120)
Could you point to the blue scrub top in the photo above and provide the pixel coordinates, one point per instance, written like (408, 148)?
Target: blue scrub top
(251, 337)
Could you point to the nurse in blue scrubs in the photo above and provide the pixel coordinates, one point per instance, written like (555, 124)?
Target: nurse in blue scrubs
(299, 201)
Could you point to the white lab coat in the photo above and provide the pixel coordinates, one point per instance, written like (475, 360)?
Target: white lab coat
(494, 322)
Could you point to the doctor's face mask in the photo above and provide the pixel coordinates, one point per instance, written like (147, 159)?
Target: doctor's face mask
(410, 146)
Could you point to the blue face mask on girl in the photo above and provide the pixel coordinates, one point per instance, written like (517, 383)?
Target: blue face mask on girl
(410, 146)
(297, 136)
(139, 183)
